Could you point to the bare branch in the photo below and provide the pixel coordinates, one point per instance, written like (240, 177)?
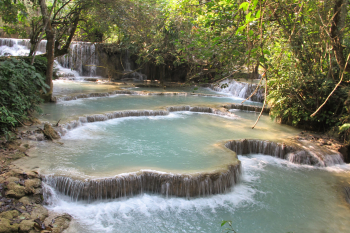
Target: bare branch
(341, 79)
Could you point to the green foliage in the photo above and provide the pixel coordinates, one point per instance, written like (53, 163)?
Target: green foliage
(228, 229)
(20, 86)
(290, 40)
(344, 127)
(15, 16)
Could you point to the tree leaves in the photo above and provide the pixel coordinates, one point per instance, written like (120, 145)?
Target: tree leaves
(244, 6)
(20, 85)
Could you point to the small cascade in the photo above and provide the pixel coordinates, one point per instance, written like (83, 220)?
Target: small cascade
(117, 92)
(129, 73)
(201, 109)
(62, 129)
(180, 185)
(19, 47)
(326, 157)
(294, 153)
(240, 89)
(82, 57)
(249, 108)
(130, 184)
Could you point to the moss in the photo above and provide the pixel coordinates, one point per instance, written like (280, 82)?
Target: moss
(50, 133)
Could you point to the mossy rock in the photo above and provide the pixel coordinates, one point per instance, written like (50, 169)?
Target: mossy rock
(9, 214)
(26, 200)
(26, 225)
(50, 133)
(6, 227)
(15, 190)
(39, 212)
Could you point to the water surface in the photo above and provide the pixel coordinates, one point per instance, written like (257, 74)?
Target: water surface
(274, 196)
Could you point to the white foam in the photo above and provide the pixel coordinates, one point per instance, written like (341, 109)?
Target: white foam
(107, 215)
(266, 159)
(97, 130)
(16, 50)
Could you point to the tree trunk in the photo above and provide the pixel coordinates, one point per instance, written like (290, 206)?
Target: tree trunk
(50, 49)
(337, 32)
(65, 48)
(50, 52)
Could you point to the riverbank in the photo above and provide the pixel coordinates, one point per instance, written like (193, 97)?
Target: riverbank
(21, 196)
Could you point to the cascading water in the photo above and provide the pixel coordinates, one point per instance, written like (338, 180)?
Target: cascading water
(19, 47)
(81, 61)
(239, 89)
(82, 57)
(136, 76)
(293, 152)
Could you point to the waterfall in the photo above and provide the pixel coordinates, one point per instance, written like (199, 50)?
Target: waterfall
(240, 89)
(134, 75)
(294, 152)
(19, 47)
(249, 108)
(130, 184)
(82, 57)
(181, 185)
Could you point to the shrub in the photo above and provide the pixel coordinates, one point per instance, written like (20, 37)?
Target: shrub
(20, 87)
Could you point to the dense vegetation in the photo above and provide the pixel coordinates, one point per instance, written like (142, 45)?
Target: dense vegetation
(301, 46)
(20, 88)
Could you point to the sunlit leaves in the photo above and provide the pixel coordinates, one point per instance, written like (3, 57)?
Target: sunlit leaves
(244, 6)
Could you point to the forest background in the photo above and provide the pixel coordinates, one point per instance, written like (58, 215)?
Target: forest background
(301, 48)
